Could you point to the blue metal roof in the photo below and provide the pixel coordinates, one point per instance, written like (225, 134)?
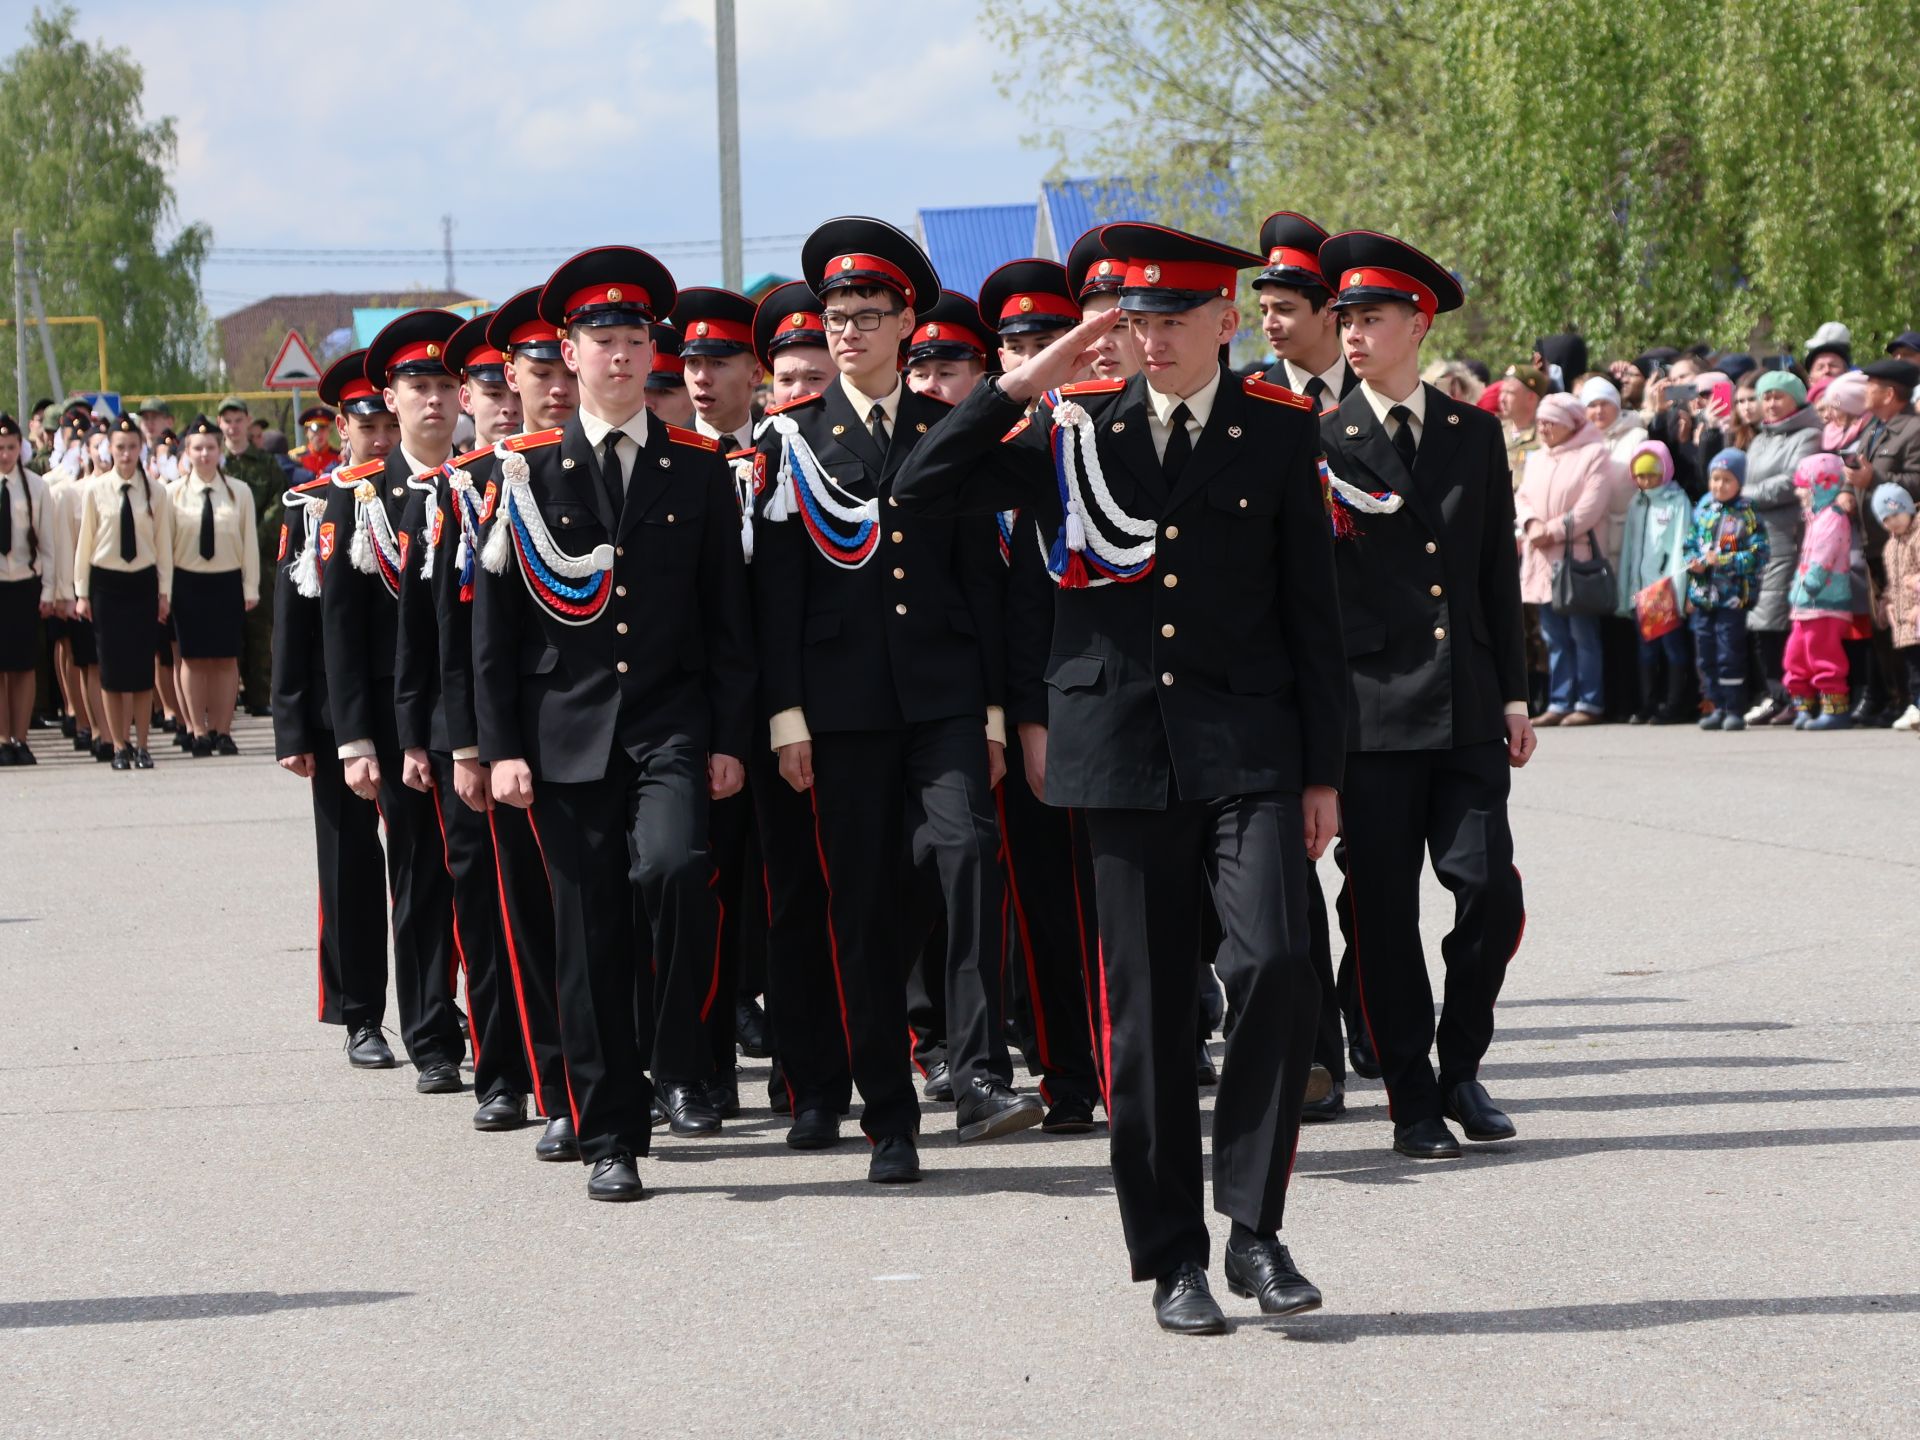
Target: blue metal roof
(1070, 208)
(968, 243)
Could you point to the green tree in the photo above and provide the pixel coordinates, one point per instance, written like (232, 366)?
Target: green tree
(88, 180)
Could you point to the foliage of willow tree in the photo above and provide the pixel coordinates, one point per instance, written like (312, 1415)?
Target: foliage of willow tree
(88, 179)
(1660, 171)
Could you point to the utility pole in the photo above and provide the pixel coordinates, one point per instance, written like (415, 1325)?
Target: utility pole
(729, 99)
(20, 319)
(46, 334)
(446, 243)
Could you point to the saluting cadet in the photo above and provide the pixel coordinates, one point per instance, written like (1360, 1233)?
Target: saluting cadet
(216, 582)
(352, 948)
(667, 395)
(26, 592)
(812, 1066)
(362, 550)
(439, 747)
(1437, 715)
(1197, 717)
(123, 577)
(875, 639)
(613, 680)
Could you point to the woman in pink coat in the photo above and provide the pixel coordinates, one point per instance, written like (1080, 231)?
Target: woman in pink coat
(1567, 490)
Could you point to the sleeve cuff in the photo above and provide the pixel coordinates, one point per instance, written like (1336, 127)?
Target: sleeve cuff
(357, 750)
(467, 752)
(788, 727)
(996, 725)
(1516, 707)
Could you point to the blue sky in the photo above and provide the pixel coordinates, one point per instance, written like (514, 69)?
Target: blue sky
(357, 124)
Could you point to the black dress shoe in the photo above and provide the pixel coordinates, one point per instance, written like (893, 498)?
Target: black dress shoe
(439, 1077)
(258, 711)
(1360, 1057)
(750, 1028)
(1319, 1083)
(1203, 1069)
(502, 1112)
(1426, 1140)
(689, 1112)
(779, 1098)
(367, 1049)
(123, 758)
(103, 751)
(67, 726)
(1330, 1106)
(1183, 1303)
(142, 759)
(896, 1161)
(815, 1128)
(615, 1178)
(83, 741)
(1070, 1115)
(223, 745)
(1469, 1103)
(9, 753)
(201, 746)
(939, 1084)
(183, 740)
(1264, 1270)
(992, 1110)
(724, 1096)
(557, 1141)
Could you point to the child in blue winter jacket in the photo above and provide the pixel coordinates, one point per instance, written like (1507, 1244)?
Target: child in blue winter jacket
(1654, 548)
(1726, 552)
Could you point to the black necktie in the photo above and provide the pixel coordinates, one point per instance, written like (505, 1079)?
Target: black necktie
(129, 543)
(1179, 445)
(1317, 393)
(6, 515)
(610, 474)
(206, 524)
(877, 427)
(1403, 437)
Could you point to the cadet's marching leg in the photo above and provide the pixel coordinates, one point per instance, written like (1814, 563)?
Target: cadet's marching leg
(353, 912)
(526, 904)
(423, 955)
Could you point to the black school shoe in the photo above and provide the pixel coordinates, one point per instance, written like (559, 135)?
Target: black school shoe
(123, 758)
(223, 745)
(142, 759)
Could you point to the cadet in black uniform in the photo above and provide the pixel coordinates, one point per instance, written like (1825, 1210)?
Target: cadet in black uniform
(1197, 715)
(436, 731)
(667, 395)
(876, 673)
(346, 829)
(1430, 594)
(363, 548)
(613, 685)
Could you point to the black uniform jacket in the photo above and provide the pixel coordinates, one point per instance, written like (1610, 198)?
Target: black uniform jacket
(669, 658)
(301, 723)
(1430, 594)
(1217, 674)
(359, 616)
(433, 668)
(913, 635)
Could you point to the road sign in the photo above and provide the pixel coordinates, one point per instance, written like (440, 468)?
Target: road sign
(294, 368)
(96, 398)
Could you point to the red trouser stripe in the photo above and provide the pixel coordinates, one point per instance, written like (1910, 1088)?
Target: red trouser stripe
(833, 939)
(1026, 936)
(1360, 981)
(320, 951)
(459, 965)
(573, 1106)
(513, 965)
(1106, 1038)
(719, 939)
(1080, 929)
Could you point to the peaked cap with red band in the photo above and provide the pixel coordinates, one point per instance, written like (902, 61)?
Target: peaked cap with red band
(1170, 271)
(472, 356)
(1364, 267)
(611, 285)
(1291, 244)
(517, 329)
(857, 250)
(345, 386)
(712, 321)
(669, 371)
(788, 315)
(1024, 297)
(412, 344)
(1093, 269)
(952, 330)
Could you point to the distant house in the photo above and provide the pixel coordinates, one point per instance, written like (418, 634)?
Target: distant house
(250, 337)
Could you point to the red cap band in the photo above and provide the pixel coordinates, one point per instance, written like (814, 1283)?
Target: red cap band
(733, 330)
(1181, 275)
(801, 320)
(665, 364)
(937, 330)
(1297, 259)
(357, 390)
(419, 350)
(1377, 277)
(1040, 303)
(485, 355)
(534, 332)
(873, 264)
(1103, 276)
(631, 295)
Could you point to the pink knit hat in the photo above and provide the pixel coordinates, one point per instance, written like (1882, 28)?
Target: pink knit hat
(1846, 393)
(1563, 409)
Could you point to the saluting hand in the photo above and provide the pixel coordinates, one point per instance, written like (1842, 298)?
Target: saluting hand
(1320, 812)
(513, 783)
(725, 776)
(1065, 358)
(363, 777)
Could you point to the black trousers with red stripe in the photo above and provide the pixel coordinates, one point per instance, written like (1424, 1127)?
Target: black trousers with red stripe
(493, 1020)
(1398, 808)
(884, 801)
(353, 898)
(803, 1004)
(1251, 851)
(1049, 874)
(732, 827)
(640, 829)
(526, 904)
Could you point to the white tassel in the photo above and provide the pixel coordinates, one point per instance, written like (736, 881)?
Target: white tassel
(499, 547)
(1076, 528)
(783, 504)
(427, 534)
(746, 534)
(306, 568)
(360, 552)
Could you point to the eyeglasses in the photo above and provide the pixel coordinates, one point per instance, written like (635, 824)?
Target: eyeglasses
(835, 322)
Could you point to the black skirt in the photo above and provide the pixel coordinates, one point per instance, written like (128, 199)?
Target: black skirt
(163, 642)
(20, 623)
(208, 611)
(124, 606)
(86, 654)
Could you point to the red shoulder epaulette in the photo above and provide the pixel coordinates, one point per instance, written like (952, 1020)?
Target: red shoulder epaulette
(797, 400)
(692, 437)
(537, 438)
(1279, 394)
(304, 487)
(354, 474)
(1025, 421)
(460, 462)
(1093, 387)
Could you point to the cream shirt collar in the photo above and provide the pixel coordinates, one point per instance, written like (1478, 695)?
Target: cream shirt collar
(1199, 404)
(1333, 377)
(415, 465)
(1416, 403)
(596, 429)
(863, 404)
(732, 439)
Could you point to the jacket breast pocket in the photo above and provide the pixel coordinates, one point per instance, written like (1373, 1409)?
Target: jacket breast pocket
(1075, 672)
(574, 527)
(1243, 511)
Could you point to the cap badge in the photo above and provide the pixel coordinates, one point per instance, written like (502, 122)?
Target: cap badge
(846, 262)
(433, 352)
(701, 328)
(1153, 274)
(1105, 267)
(613, 292)
(797, 320)
(1026, 304)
